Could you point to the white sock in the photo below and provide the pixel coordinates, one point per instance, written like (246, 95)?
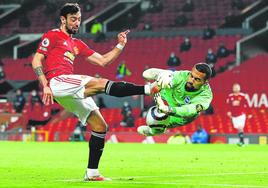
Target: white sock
(147, 89)
(93, 172)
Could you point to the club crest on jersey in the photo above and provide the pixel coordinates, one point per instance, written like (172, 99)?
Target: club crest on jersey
(187, 100)
(45, 42)
(76, 51)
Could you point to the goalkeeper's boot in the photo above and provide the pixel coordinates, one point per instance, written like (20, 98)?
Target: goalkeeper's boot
(95, 178)
(145, 130)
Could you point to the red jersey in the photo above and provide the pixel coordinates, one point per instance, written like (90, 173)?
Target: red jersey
(60, 51)
(237, 104)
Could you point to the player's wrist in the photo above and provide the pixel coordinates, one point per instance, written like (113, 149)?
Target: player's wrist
(45, 85)
(171, 111)
(120, 46)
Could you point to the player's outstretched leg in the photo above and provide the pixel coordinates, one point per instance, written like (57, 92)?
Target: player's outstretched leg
(123, 89)
(118, 89)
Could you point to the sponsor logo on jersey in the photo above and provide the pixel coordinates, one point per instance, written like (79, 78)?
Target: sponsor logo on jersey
(187, 100)
(65, 43)
(45, 42)
(69, 57)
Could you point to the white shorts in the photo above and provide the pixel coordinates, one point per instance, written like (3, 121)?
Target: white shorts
(68, 91)
(239, 121)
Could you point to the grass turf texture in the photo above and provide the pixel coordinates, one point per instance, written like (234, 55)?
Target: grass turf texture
(134, 165)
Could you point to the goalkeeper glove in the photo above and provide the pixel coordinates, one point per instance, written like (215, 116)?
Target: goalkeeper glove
(164, 79)
(161, 105)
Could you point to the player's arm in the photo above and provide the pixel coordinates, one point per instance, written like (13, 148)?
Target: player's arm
(108, 58)
(187, 110)
(184, 111)
(199, 104)
(229, 113)
(38, 69)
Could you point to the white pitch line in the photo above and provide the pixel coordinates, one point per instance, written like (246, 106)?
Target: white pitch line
(179, 175)
(194, 175)
(194, 184)
(175, 183)
(235, 185)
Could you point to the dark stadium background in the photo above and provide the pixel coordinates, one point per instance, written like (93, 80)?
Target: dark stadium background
(242, 29)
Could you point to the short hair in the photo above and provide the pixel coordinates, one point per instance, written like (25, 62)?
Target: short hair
(204, 68)
(236, 84)
(69, 8)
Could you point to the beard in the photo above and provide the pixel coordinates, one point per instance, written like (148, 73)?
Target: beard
(189, 87)
(71, 31)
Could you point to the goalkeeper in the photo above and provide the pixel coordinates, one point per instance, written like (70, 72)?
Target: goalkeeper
(186, 94)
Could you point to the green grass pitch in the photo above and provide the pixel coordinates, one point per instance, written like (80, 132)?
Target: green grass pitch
(62, 165)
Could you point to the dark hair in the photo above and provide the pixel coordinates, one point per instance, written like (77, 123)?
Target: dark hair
(204, 68)
(69, 8)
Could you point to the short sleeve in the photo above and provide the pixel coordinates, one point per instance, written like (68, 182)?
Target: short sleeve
(46, 43)
(84, 49)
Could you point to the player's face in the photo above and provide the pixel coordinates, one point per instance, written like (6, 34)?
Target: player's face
(72, 23)
(195, 80)
(236, 88)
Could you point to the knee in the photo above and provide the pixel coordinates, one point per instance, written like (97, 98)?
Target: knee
(100, 128)
(95, 85)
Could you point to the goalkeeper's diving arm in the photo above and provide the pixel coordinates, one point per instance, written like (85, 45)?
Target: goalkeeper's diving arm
(187, 110)
(183, 111)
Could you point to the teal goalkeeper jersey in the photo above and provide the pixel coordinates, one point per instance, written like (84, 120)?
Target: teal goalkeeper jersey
(186, 105)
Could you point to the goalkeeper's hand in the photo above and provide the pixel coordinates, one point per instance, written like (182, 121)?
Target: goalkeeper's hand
(164, 109)
(164, 79)
(161, 105)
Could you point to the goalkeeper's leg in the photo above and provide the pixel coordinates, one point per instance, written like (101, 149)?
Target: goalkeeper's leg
(151, 130)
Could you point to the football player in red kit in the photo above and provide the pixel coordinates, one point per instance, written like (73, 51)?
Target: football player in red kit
(237, 111)
(57, 52)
